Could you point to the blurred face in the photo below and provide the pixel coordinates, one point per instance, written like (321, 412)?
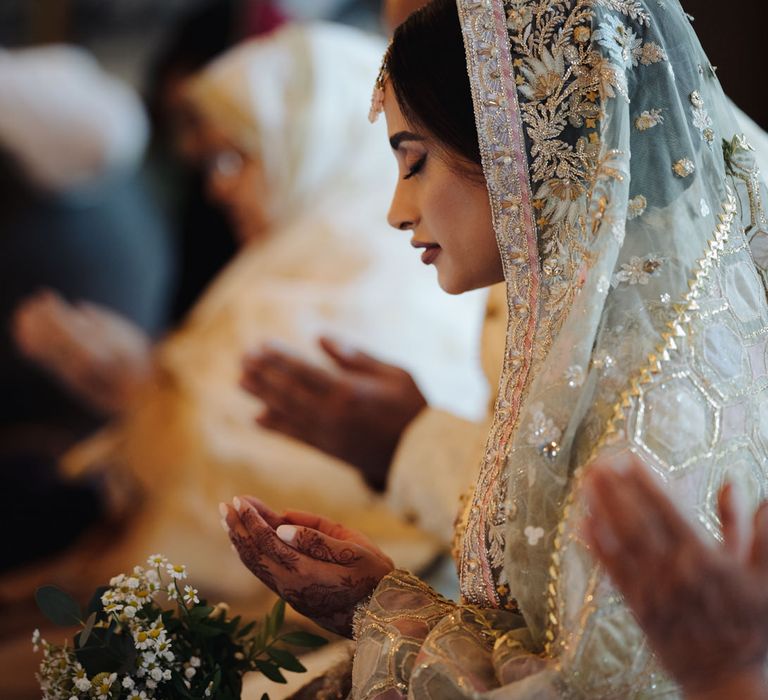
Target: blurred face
(448, 214)
(236, 182)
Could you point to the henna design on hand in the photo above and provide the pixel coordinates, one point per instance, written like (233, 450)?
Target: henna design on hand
(332, 606)
(312, 544)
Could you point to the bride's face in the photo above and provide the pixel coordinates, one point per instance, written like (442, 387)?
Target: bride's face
(448, 213)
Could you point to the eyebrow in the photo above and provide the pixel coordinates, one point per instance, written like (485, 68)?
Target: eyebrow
(402, 136)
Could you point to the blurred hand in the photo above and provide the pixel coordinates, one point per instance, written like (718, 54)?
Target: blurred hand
(357, 414)
(321, 568)
(100, 356)
(704, 607)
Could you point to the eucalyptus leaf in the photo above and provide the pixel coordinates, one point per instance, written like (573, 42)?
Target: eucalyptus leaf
(270, 670)
(277, 616)
(286, 660)
(95, 605)
(58, 607)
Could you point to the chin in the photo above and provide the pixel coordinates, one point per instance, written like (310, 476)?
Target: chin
(451, 284)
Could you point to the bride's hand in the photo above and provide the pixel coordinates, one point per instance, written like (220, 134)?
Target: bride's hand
(321, 568)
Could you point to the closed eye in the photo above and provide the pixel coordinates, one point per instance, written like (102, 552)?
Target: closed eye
(417, 167)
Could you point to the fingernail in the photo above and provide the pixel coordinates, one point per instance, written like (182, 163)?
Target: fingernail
(234, 549)
(237, 503)
(224, 525)
(223, 510)
(345, 349)
(287, 533)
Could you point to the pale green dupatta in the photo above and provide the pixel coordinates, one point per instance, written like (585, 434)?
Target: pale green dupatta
(631, 223)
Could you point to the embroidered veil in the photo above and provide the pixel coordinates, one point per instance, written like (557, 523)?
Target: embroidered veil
(631, 220)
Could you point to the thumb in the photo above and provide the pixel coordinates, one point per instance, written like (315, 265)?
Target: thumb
(350, 358)
(316, 545)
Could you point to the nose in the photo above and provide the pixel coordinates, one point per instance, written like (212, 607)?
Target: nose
(403, 213)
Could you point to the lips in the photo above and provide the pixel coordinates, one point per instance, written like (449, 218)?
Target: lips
(430, 254)
(431, 251)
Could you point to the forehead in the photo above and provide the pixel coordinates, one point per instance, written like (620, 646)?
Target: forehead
(394, 116)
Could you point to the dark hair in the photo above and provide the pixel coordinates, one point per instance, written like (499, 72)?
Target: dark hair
(426, 66)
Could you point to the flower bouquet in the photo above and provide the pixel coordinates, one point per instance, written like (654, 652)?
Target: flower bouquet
(130, 648)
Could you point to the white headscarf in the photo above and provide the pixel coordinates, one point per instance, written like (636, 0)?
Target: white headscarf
(64, 120)
(286, 99)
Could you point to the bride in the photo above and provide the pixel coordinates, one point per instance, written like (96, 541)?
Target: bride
(627, 218)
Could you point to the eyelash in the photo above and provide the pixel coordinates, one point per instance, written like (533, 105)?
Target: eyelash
(416, 167)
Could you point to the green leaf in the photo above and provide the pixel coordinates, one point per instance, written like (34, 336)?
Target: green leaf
(286, 660)
(86, 633)
(200, 612)
(58, 607)
(276, 617)
(208, 632)
(245, 630)
(271, 671)
(95, 605)
(303, 639)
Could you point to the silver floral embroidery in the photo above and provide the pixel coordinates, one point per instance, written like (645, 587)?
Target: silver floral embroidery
(637, 270)
(701, 119)
(624, 47)
(542, 429)
(534, 535)
(648, 119)
(574, 375)
(637, 207)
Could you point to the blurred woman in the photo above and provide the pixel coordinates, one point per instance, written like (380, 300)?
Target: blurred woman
(292, 160)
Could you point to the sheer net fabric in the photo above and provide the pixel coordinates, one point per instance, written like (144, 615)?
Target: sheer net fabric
(631, 220)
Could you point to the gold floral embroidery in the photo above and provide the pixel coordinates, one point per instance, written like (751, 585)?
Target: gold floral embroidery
(637, 207)
(648, 119)
(684, 167)
(564, 69)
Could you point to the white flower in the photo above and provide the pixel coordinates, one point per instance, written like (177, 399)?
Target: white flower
(130, 611)
(177, 571)
(138, 695)
(190, 596)
(194, 661)
(156, 674)
(129, 683)
(190, 672)
(157, 561)
(141, 639)
(36, 640)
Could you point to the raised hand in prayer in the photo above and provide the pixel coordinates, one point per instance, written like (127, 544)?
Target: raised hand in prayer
(357, 413)
(98, 355)
(703, 606)
(320, 568)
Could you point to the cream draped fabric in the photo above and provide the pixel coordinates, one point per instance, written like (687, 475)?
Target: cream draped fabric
(631, 220)
(330, 265)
